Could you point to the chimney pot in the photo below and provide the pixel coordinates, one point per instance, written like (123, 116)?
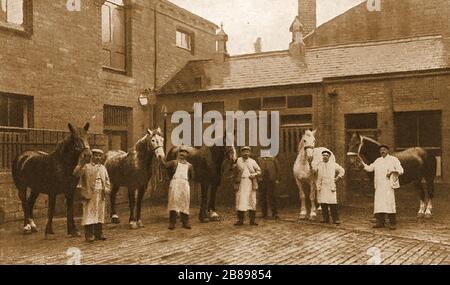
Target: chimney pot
(258, 45)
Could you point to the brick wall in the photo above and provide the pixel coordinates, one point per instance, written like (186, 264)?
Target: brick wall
(397, 19)
(60, 65)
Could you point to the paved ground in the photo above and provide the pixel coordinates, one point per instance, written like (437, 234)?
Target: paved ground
(273, 242)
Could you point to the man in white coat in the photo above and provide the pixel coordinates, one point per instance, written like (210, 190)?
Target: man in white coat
(387, 169)
(246, 184)
(328, 173)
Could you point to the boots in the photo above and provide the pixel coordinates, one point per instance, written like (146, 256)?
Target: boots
(89, 233)
(392, 221)
(334, 214)
(252, 216)
(240, 221)
(172, 220)
(98, 232)
(185, 221)
(380, 221)
(325, 214)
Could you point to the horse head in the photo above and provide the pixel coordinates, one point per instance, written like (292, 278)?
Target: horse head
(231, 153)
(78, 142)
(307, 144)
(155, 143)
(363, 147)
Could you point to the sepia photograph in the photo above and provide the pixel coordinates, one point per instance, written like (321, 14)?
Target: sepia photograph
(239, 134)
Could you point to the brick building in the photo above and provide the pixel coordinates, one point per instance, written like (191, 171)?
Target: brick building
(90, 60)
(384, 74)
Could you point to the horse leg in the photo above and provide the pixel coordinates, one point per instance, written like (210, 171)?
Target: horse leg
(421, 193)
(430, 192)
(132, 204)
(114, 216)
(312, 198)
(302, 199)
(30, 205)
(51, 210)
(23, 199)
(71, 228)
(140, 198)
(213, 216)
(202, 216)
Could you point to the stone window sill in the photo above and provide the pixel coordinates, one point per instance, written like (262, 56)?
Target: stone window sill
(15, 29)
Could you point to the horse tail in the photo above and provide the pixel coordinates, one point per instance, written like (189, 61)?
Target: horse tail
(430, 167)
(18, 180)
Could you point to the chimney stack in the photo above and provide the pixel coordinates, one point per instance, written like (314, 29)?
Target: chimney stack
(307, 13)
(297, 47)
(258, 45)
(221, 46)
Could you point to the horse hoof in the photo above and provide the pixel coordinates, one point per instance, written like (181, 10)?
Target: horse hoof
(115, 220)
(428, 216)
(50, 236)
(140, 224)
(420, 215)
(27, 232)
(34, 230)
(133, 226)
(302, 217)
(75, 234)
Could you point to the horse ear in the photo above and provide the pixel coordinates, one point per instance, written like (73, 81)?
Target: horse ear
(87, 126)
(149, 132)
(314, 132)
(159, 131)
(71, 128)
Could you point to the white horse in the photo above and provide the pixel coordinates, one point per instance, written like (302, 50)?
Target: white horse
(308, 154)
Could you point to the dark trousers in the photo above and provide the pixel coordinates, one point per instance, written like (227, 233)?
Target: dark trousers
(327, 209)
(267, 197)
(381, 217)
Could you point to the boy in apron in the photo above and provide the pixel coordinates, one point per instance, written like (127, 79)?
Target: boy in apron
(179, 189)
(94, 185)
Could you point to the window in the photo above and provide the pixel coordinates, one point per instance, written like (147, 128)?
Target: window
(15, 14)
(274, 102)
(253, 104)
(300, 101)
(16, 111)
(296, 120)
(114, 35)
(418, 129)
(361, 121)
(184, 40)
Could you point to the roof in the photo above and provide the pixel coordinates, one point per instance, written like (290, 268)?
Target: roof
(279, 68)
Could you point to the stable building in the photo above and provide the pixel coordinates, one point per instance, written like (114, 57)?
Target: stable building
(389, 84)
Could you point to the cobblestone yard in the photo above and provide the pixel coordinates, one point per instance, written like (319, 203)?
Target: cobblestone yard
(286, 241)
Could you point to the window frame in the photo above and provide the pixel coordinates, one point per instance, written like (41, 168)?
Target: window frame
(127, 38)
(417, 131)
(191, 36)
(26, 28)
(28, 117)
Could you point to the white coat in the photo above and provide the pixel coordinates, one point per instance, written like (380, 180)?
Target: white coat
(326, 186)
(246, 194)
(384, 190)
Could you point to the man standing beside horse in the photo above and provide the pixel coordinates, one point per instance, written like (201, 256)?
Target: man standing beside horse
(387, 169)
(328, 173)
(246, 185)
(269, 180)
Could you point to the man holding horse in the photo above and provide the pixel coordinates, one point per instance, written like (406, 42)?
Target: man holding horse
(387, 169)
(246, 185)
(179, 190)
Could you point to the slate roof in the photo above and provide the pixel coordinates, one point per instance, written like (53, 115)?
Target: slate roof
(279, 68)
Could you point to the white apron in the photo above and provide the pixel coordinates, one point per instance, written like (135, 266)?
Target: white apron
(246, 195)
(179, 190)
(94, 209)
(384, 191)
(326, 186)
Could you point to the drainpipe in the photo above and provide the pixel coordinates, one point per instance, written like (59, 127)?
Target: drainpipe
(155, 61)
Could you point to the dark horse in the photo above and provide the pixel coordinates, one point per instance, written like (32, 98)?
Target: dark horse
(417, 163)
(50, 174)
(208, 164)
(133, 170)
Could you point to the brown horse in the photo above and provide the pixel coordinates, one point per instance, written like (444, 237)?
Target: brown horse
(209, 165)
(50, 174)
(133, 170)
(417, 162)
